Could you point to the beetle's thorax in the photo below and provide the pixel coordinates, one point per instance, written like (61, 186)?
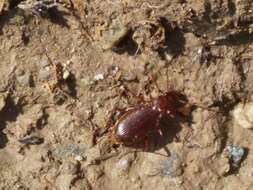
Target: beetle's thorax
(161, 104)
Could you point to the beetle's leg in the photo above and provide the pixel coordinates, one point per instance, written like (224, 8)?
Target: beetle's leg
(127, 92)
(100, 131)
(176, 138)
(112, 113)
(152, 78)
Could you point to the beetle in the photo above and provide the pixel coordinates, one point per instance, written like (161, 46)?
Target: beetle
(136, 124)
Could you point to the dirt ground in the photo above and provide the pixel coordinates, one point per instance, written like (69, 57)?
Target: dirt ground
(66, 65)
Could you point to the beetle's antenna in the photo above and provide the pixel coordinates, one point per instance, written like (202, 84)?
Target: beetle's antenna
(205, 108)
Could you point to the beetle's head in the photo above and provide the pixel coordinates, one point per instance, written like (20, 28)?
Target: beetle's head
(169, 103)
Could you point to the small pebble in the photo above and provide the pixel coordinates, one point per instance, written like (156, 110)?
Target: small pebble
(99, 77)
(66, 75)
(168, 56)
(68, 62)
(236, 154)
(243, 115)
(171, 166)
(79, 158)
(200, 50)
(251, 172)
(131, 76)
(123, 164)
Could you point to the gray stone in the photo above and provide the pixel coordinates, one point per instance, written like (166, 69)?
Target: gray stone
(69, 150)
(171, 166)
(236, 154)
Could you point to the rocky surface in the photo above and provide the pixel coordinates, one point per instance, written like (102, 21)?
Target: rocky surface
(66, 65)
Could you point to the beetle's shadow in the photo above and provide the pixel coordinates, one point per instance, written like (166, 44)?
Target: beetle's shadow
(170, 128)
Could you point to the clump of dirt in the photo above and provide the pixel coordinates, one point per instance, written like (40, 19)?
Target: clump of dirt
(67, 66)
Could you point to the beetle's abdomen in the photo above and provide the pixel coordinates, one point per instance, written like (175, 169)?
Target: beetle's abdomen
(136, 124)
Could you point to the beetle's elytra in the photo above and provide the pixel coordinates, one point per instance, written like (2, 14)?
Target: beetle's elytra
(136, 124)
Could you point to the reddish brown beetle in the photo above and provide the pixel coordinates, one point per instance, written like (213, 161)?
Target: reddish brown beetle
(136, 124)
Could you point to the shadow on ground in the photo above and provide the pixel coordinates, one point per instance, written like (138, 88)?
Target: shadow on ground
(8, 114)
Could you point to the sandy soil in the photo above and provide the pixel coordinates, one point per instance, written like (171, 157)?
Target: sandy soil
(65, 67)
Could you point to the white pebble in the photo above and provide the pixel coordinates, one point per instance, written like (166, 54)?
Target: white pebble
(79, 158)
(66, 75)
(199, 50)
(243, 115)
(99, 77)
(123, 164)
